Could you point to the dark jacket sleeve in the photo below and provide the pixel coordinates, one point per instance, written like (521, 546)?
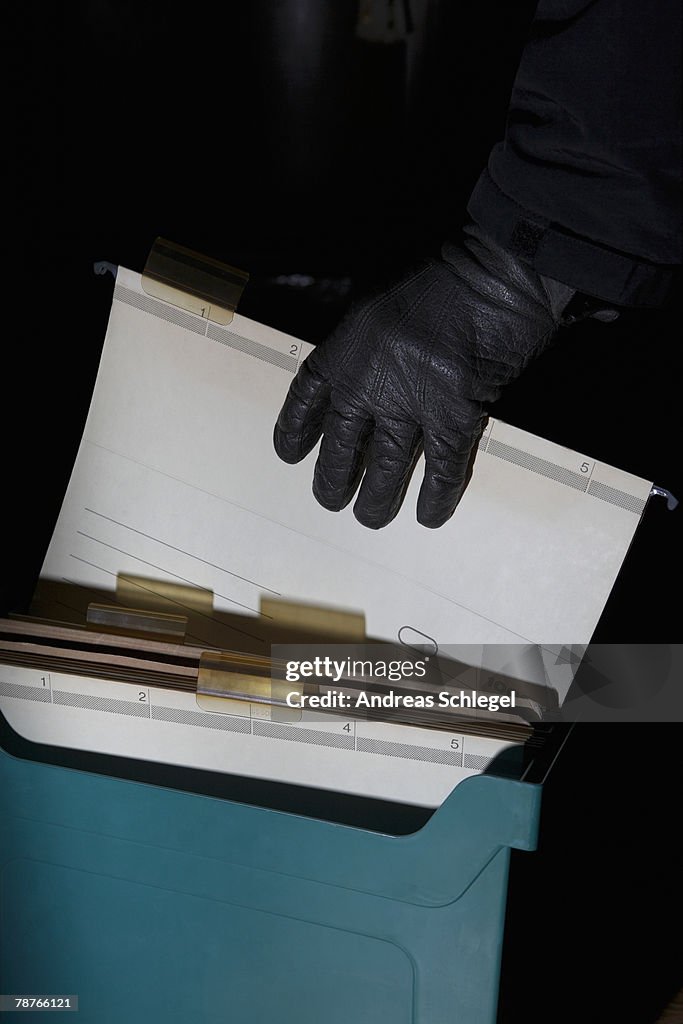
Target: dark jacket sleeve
(587, 182)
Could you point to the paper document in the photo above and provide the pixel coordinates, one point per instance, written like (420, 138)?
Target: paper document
(176, 478)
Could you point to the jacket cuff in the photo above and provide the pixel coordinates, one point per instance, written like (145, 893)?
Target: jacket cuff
(553, 251)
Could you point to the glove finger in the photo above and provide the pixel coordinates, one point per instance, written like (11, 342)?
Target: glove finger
(300, 422)
(448, 467)
(392, 457)
(341, 457)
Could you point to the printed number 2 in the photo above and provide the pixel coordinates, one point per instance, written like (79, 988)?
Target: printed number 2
(293, 349)
(142, 696)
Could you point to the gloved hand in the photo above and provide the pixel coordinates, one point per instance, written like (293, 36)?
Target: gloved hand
(411, 369)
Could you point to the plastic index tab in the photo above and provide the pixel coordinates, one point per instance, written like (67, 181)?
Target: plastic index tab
(135, 621)
(197, 283)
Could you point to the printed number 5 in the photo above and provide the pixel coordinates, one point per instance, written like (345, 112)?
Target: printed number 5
(455, 744)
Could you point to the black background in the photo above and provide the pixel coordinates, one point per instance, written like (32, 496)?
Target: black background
(270, 136)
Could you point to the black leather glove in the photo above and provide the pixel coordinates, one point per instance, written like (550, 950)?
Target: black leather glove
(411, 369)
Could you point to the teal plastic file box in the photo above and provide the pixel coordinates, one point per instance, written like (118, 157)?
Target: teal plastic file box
(156, 905)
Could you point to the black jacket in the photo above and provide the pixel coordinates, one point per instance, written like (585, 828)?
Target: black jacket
(586, 184)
